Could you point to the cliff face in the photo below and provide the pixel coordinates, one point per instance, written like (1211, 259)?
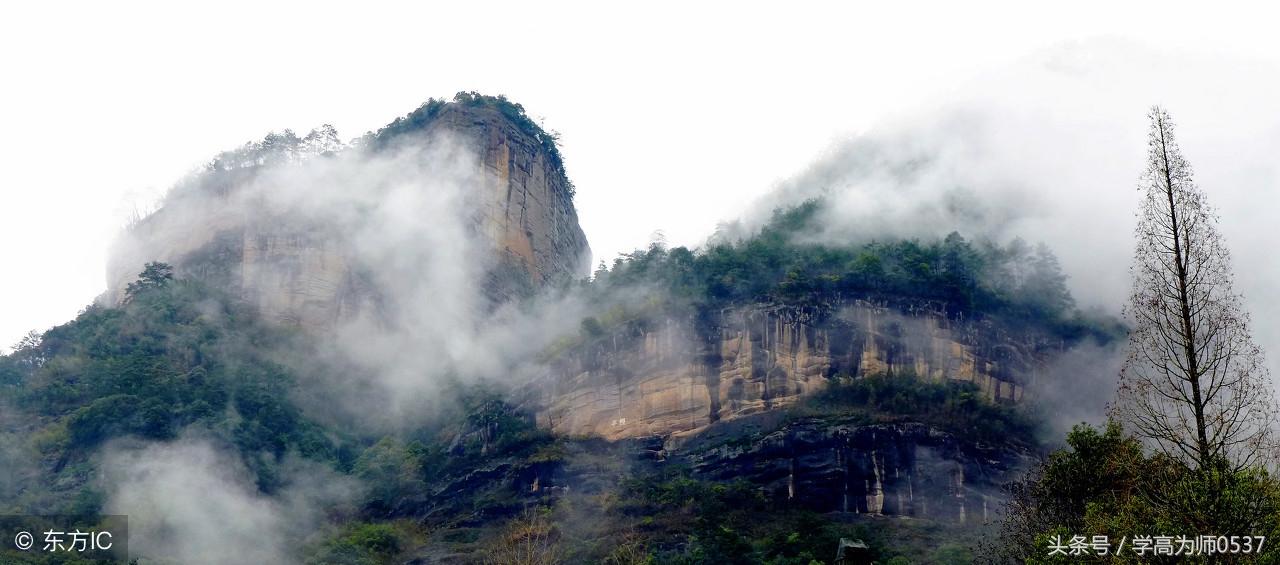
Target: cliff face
(528, 213)
(824, 464)
(905, 469)
(300, 271)
(675, 379)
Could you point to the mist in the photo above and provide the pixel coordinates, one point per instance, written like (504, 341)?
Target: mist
(1051, 150)
(1048, 150)
(190, 502)
(403, 310)
(411, 323)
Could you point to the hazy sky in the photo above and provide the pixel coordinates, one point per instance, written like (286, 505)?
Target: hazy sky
(673, 116)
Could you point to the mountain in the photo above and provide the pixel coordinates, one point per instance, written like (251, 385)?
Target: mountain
(874, 378)
(387, 351)
(302, 267)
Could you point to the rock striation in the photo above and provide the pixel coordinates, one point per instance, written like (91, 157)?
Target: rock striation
(904, 469)
(303, 272)
(527, 212)
(678, 376)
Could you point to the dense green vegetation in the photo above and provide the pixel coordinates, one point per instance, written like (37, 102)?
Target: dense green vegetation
(957, 407)
(1105, 484)
(364, 543)
(477, 479)
(176, 355)
(1186, 464)
(780, 266)
(232, 168)
(687, 521)
(479, 431)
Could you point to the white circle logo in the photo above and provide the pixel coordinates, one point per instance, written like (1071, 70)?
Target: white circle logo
(23, 541)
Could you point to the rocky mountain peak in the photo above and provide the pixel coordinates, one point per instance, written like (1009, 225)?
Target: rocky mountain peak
(287, 242)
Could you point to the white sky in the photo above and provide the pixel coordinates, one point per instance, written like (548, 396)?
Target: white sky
(673, 116)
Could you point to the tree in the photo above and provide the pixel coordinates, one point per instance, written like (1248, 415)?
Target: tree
(27, 353)
(391, 470)
(1194, 382)
(322, 141)
(530, 539)
(1097, 466)
(279, 147)
(1045, 285)
(154, 275)
(1103, 483)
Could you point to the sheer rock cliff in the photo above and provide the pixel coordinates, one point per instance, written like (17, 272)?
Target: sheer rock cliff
(303, 272)
(680, 376)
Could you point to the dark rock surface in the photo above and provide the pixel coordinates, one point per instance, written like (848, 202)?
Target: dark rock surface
(900, 469)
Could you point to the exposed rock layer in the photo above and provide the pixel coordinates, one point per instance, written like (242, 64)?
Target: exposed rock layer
(906, 469)
(528, 212)
(676, 378)
(827, 464)
(306, 273)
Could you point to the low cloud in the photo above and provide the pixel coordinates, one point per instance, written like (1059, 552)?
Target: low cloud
(191, 502)
(1051, 149)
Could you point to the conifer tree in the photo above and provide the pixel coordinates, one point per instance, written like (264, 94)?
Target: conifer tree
(1194, 382)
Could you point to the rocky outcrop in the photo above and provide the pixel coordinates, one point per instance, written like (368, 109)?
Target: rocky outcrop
(676, 377)
(300, 270)
(528, 212)
(825, 464)
(905, 469)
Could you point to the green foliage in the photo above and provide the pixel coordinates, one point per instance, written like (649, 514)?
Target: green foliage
(515, 112)
(1104, 484)
(1097, 468)
(378, 538)
(176, 354)
(118, 415)
(494, 427)
(285, 146)
(478, 431)
(361, 543)
(711, 516)
(233, 168)
(154, 275)
(781, 265)
(392, 471)
(952, 554)
(591, 327)
(424, 115)
(956, 406)
(689, 521)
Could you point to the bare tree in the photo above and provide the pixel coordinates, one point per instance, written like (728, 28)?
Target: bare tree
(530, 539)
(1194, 382)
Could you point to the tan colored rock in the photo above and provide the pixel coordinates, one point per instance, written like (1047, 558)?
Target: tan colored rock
(300, 273)
(660, 383)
